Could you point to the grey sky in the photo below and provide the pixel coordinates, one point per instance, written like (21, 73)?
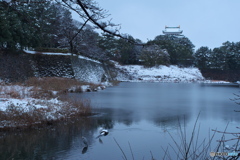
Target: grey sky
(204, 22)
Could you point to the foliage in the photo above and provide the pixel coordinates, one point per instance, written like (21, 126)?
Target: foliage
(46, 25)
(202, 57)
(120, 49)
(225, 57)
(153, 55)
(29, 25)
(128, 51)
(180, 49)
(90, 10)
(49, 24)
(14, 31)
(109, 44)
(88, 45)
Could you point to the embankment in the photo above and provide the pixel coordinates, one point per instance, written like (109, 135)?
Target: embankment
(19, 67)
(224, 75)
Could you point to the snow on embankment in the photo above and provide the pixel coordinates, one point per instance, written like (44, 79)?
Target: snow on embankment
(24, 106)
(78, 67)
(160, 74)
(88, 70)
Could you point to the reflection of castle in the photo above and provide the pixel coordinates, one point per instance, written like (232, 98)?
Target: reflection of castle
(172, 31)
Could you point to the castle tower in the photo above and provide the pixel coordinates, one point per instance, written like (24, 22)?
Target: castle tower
(172, 31)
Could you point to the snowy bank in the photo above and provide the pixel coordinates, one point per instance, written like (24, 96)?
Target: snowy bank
(39, 101)
(139, 73)
(30, 111)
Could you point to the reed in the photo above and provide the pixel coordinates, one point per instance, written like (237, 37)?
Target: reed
(190, 147)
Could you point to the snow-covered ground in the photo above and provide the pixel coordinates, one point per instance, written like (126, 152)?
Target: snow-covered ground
(17, 100)
(30, 104)
(161, 73)
(13, 107)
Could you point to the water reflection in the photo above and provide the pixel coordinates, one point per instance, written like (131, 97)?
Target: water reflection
(52, 142)
(137, 113)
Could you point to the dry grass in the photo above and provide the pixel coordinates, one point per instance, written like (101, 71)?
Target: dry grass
(53, 83)
(76, 108)
(16, 117)
(43, 89)
(115, 83)
(94, 87)
(39, 93)
(46, 87)
(61, 85)
(16, 91)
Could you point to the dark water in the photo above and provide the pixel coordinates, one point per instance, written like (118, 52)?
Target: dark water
(139, 116)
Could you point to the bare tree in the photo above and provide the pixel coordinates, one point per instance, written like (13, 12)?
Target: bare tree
(89, 10)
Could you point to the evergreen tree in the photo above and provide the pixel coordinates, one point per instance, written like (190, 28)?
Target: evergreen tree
(153, 55)
(202, 57)
(128, 55)
(225, 57)
(109, 44)
(120, 49)
(231, 52)
(180, 49)
(13, 30)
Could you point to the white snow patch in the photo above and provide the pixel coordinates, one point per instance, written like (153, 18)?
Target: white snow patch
(160, 73)
(27, 104)
(19, 91)
(89, 59)
(62, 54)
(85, 87)
(47, 53)
(216, 82)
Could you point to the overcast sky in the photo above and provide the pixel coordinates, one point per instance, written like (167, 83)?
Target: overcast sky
(204, 22)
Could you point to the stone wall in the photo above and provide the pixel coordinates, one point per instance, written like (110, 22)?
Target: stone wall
(19, 67)
(15, 67)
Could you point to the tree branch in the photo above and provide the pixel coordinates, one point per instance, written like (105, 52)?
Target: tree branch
(79, 30)
(103, 27)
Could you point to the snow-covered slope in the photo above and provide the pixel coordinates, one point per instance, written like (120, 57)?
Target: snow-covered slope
(171, 73)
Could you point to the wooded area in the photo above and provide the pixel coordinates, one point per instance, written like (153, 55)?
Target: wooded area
(49, 26)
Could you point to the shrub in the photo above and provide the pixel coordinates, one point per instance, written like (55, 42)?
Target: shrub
(53, 83)
(153, 55)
